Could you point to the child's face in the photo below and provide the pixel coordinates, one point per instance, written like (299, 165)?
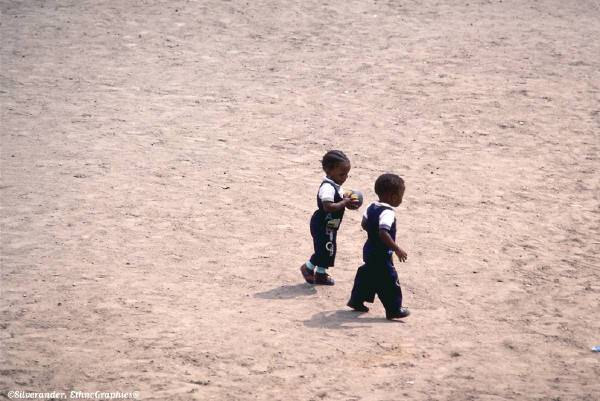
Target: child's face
(396, 199)
(339, 173)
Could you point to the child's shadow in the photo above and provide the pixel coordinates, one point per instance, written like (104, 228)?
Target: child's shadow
(288, 292)
(344, 319)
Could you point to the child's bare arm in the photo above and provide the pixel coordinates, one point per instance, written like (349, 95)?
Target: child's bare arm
(363, 223)
(336, 207)
(389, 242)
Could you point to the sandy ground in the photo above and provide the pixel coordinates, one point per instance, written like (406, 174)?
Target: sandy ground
(160, 162)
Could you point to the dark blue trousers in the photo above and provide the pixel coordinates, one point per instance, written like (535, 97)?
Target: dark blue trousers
(378, 277)
(324, 242)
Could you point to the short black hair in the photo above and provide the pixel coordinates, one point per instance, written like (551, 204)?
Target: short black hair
(388, 184)
(333, 158)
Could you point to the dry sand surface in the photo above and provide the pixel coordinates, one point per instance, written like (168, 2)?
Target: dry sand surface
(160, 163)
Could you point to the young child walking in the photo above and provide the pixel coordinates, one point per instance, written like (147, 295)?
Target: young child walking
(326, 220)
(378, 275)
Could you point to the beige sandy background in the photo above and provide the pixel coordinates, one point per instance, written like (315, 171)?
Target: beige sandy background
(160, 162)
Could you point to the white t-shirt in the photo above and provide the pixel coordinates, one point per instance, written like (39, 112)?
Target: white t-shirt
(327, 190)
(386, 218)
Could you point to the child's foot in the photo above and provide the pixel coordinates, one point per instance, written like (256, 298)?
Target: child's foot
(358, 307)
(307, 274)
(323, 279)
(402, 312)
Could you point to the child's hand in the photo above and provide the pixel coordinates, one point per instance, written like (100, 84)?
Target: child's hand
(401, 254)
(350, 202)
(347, 201)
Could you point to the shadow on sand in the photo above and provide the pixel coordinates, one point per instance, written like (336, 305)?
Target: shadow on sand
(288, 292)
(344, 319)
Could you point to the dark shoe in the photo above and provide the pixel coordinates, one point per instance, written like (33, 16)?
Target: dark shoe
(307, 274)
(402, 312)
(323, 279)
(358, 307)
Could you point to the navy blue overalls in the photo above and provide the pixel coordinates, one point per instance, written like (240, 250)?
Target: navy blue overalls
(323, 228)
(378, 275)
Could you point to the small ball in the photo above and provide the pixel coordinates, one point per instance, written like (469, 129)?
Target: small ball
(357, 199)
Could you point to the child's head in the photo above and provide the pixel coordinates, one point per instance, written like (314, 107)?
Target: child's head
(336, 165)
(390, 189)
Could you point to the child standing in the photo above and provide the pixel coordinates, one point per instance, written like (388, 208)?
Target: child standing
(378, 274)
(326, 220)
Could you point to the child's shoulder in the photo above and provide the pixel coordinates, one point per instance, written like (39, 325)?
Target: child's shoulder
(327, 181)
(371, 209)
(379, 205)
(378, 208)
